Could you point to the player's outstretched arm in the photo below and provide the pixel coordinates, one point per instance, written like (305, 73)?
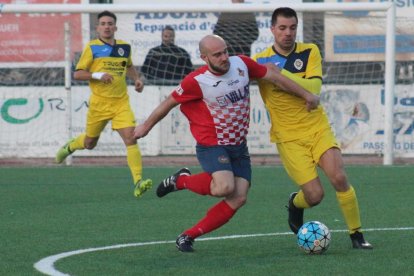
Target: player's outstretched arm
(275, 76)
(313, 85)
(157, 115)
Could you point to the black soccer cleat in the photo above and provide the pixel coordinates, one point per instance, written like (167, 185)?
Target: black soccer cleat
(295, 218)
(168, 185)
(359, 242)
(184, 243)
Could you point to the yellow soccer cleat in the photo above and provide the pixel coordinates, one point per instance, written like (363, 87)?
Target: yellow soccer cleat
(142, 186)
(63, 152)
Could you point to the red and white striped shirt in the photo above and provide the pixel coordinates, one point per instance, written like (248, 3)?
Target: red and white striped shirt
(218, 106)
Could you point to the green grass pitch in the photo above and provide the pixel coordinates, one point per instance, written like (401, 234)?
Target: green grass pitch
(90, 214)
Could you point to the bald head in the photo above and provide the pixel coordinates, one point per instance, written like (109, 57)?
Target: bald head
(211, 43)
(213, 50)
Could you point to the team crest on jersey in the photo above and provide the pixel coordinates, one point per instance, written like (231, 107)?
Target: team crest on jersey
(179, 90)
(241, 72)
(221, 101)
(121, 52)
(298, 64)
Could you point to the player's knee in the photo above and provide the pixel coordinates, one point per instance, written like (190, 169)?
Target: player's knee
(241, 200)
(237, 201)
(222, 188)
(130, 141)
(90, 145)
(314, 198)
(339, 180)
(227, 189)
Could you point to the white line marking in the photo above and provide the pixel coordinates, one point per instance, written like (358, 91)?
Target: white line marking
(46, 265)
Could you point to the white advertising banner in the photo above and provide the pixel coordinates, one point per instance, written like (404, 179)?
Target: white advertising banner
(357, 115)
(33, 122)
(143, 30)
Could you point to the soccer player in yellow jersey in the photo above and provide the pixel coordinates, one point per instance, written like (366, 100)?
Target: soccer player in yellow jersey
(105, 63)
(305, 139)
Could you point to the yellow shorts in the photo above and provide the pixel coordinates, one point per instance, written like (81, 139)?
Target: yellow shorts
(301, 157)
(103, 110)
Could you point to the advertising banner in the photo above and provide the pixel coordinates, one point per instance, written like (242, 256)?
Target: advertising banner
(27, 39)
(143, 30)
(35, 123)
(357, 115)
(360, 35)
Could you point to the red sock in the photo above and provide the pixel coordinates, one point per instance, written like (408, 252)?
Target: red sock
(197, 183)
(216, 216)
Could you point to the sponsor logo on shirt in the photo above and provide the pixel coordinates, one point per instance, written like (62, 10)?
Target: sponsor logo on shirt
(115, 63)
(234, 96)
(217, 83)
(232, 82)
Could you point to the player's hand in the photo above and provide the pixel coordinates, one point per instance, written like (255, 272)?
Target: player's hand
(139, 85)
(140, 131)
(312, 102)
(107, 78)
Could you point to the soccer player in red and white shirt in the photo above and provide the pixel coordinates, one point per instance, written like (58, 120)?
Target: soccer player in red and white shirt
(216, 101)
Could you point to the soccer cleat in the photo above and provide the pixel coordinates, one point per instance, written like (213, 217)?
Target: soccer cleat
(184, 243)
(295, 218)
(168, 185)
(64, 152)
(142, 186)
(359, 242)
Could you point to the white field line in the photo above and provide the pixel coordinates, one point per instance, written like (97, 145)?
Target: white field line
(46, 265)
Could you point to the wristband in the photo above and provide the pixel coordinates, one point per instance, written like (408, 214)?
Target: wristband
(97, 75)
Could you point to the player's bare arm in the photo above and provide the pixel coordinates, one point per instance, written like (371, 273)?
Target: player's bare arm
(274, 75)
(86, 76)
(157, 115)
(133, 74)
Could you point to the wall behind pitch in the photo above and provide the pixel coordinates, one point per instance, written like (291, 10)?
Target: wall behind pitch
(34, 121)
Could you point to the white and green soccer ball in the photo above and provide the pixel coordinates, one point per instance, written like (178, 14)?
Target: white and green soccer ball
(314, 237)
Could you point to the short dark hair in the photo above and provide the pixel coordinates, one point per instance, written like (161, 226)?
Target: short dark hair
(285, 12)
(168, 28)
(107, 13)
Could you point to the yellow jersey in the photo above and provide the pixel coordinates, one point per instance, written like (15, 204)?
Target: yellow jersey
(289, 118)
(99, 56)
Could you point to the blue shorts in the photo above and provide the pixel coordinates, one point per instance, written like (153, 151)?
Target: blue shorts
(226, 158)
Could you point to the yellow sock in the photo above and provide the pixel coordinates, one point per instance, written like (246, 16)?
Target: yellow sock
(299, 200)
(134, 162)
(78, 143)
(349, 206)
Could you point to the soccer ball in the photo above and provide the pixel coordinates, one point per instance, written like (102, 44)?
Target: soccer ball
(314, 237)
